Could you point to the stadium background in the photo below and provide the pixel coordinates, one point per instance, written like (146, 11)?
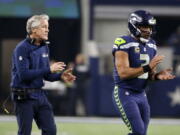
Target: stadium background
(89, 27)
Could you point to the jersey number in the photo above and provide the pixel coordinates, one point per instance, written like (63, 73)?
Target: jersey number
(146, 59)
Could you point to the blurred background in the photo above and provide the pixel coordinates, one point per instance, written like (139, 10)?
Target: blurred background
(82, 34)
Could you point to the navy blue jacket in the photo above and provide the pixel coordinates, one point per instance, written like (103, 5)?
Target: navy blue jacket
(30, 66)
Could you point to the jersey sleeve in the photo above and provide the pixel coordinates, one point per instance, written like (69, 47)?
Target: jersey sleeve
(53, 77)
(120, 45)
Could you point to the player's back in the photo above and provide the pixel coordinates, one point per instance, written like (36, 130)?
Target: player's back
(139, 54)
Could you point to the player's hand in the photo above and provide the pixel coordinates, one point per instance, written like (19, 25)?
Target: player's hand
(67, 76)
(165, 75)
(155, 61)
(57, 67)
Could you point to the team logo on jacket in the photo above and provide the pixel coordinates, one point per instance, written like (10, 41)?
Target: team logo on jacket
(20, 58)
(137, 49)
(44, 55)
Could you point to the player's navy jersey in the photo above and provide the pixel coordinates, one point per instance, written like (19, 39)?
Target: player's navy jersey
(139, 55)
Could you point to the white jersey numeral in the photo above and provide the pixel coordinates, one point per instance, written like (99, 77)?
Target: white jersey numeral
(144, 57)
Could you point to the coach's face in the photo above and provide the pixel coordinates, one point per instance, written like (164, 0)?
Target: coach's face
(41, 32)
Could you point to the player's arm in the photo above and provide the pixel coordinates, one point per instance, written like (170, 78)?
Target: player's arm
(123, 68)
(127, 72)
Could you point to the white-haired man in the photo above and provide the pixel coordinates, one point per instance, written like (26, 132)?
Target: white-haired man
(30, 66)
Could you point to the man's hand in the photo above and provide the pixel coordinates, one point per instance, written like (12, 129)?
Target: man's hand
(57, 67)
(155, 61)
(67, 76)
(165, 75)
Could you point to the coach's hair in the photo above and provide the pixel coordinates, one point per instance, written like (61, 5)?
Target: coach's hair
(35, 21)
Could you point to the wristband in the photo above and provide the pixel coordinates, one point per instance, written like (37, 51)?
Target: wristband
(146, 68)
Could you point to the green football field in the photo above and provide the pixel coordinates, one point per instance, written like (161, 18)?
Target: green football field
(93, 128)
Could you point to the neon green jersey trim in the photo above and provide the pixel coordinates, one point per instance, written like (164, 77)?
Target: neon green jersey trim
(119, 41)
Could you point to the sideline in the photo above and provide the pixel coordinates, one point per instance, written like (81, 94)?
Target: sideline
(98, 120)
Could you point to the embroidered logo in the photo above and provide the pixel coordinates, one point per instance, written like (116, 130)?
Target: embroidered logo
(127, 93)
(20, 58)
(137, 49)
(44, 55)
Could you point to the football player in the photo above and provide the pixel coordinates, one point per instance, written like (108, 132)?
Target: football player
(135, 61)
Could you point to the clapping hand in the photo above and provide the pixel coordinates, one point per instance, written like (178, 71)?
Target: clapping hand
(67, 76)
(57, 67)
(165, 75)
(155, 61)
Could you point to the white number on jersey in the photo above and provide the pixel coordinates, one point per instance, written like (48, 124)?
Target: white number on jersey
(146, 58)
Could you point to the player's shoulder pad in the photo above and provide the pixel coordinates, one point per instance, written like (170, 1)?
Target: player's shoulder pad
(121, 41)
(152, 44)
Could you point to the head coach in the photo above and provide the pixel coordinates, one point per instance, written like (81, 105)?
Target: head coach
(30, 66)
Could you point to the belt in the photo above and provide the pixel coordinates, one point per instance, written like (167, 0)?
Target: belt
(29, 90)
